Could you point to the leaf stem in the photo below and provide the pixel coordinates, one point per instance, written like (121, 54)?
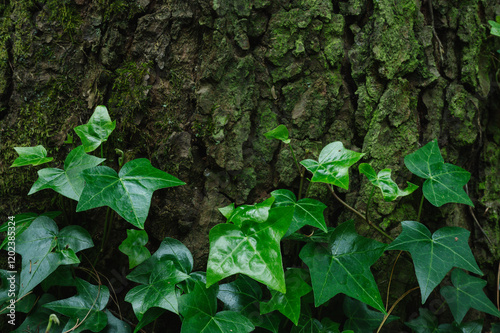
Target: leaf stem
(359, 214)
(368, 204)
(390, 280)
(420, 208)
(301, 172)
(393, 306)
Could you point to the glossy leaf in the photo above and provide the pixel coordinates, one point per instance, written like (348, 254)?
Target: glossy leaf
(333, 165)
(200, 299)
(133, 247)
(39, 317)
(495, 28)
(44, 248)
(343, 266)
(383, 180)
(252, 249)
(288, 304)
(444, 182)
(128, 193)
(116, 325)
(159, 292)
(361, 319)
(22, 222)
(307, 324)
(97, 130)
(258, 212)
(222, 322)
(433, 257)
(280, 133)
(467, 292)
(68, 182)
(85, 308)
(170, 249)
(306, 211)
(31, 156)
(428, 323)
(151, 315)
(243, 295)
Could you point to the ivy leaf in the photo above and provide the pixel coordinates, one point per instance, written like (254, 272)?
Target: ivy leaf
(360, 318)
(252, 249)
(151, 315)
(31, 156)
(39, 317)
(307, 324)
(85, 308)
(243, 295)
(444, 182)
(288, 304)
(97, 130)
(133, 247)
(68, 182)
(44, 248)
(128, 193)
(382, 180)
(170, 249)
(428, 323)
(199, 299)
(343, 266)
(160, 292)
(467, 292)
(116, 325)
(280, 133)
(333, 165)
(495, 28)
(258, 212)
(435, 256)
(22, 222)
(306, 211)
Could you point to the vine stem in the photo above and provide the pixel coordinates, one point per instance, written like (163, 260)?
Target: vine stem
(390, 280)
(393, 306)
(301, 172)
(359, 214)
(420, 207)
(368, 204)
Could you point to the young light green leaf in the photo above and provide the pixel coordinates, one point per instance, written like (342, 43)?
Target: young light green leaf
(68, 182)
(44, 248)
(435, 256)
(85, 308)
(383, 180)
(97, 130)
(258, 212)
(280, 133)
(333, 165)
(361, 319)
(22, 222)
(31, 156)
(39, 317)
(306, 211)
(252, 249)
(343, 266)
(467, 292)
(160, 292)
(495, 28)
(128, 193)
(288, 304)
(133, 247)
(444, 182)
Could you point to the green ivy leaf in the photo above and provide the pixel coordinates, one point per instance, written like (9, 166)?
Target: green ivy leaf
(307, 324)
(199, 299)
(258, 212)
(160, 292)
(170, 249)
(116, 325)
(333, 165)
(305, 211)
(343, 266)
(68, 182)
(444, 182)
(22, 222)
(133, 247)
(85, 308)
(62, 276)
(44, 248)
(428, 323)
(383, 180)
(39, 317)
(467, 292)
(288, 304)
(280, 133)
(31, 156)
(97, 130)
(252, 249)
(435, 256)
(495, 28)
(151, 315)
(243, 295)
(128, 193)
(360, 318)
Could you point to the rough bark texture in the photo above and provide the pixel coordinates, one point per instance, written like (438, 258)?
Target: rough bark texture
(193, 86)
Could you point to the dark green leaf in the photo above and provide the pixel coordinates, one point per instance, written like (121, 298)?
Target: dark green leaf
(128, 193)
(150, 316)
(199, 300)
(383, 180)
(444, 182)
(288, 304)
(256, 213)
(222, 322)
(307, 324)
(280, 133)
(62, 276)
(467, 292)
(31, 156)
(39, 317)
(428, 323)
(435, 256)
(252, 249)
(306, 211)
(343, 266)
(68, 182)
(133, 247)
(116, 325)
(360, 318)
(97, 130)
(333, 165)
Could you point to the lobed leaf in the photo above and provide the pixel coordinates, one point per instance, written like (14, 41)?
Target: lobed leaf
(31, 156)
(383, 180)
(39, 317)
(361, 319)
(222, 322)
(22, 222)
(97, 130)
(133, 247)
(428, 323)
